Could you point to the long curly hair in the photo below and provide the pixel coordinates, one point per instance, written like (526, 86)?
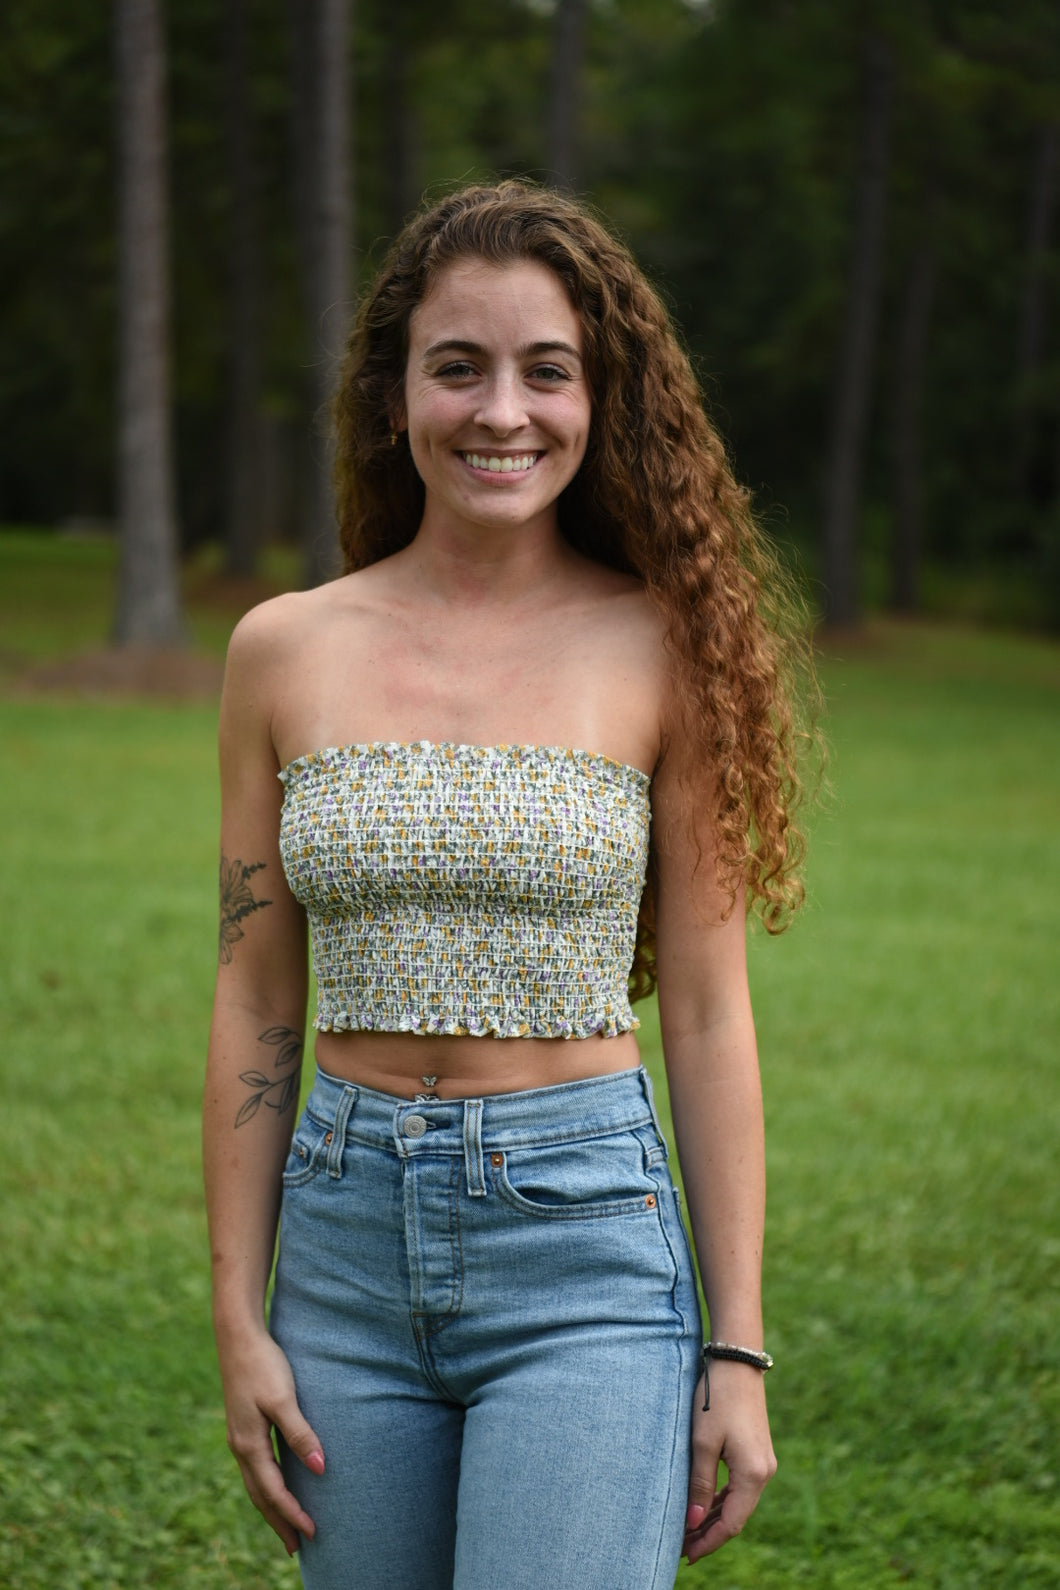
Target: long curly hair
(654, 497)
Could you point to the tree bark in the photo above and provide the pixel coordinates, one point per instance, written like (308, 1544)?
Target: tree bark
(907, 539)
(148, 606)
(1031, 349)
(244, 497)
(853, 388)
(398, 47)
(325, 220)
(568, 49)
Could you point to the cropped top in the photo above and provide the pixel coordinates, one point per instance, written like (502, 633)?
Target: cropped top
(468, 889)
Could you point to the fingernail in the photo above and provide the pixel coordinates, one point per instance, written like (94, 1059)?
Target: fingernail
(315, 1461)
(696, 1515)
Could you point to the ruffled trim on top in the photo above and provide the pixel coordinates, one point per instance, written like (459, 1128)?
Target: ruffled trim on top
(407, 750)
(476, 1025)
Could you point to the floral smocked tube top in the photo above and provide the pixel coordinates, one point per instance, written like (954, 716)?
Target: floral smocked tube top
(467, 889)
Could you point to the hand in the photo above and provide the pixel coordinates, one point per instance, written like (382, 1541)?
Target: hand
(734, 1430)
(259, 1394)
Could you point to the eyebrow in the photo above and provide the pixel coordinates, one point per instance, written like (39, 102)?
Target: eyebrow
(529, 350)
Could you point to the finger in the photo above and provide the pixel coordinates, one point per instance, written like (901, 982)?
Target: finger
(700, 1520)
(702, 1485)
(735, 1504)
(264, 1481)
(279, 1507)
(299, 1435)
(276, 1522)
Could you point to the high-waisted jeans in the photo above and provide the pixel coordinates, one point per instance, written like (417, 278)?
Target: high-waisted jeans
(491, 1314)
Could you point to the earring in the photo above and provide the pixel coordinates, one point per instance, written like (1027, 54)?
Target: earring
(393, 438)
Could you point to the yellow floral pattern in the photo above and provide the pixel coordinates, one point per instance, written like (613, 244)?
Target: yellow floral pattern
(468, 889)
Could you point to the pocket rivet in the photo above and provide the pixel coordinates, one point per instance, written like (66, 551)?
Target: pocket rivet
(650, 1200)
(328, 1137)
(496, 1159)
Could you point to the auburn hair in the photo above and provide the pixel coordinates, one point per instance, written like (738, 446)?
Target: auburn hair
(654, 497)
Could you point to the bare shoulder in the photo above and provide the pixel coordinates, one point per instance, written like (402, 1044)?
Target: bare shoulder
(274, 635)
(621, 662)
(271, 629)
(265, 648)
(628, 616)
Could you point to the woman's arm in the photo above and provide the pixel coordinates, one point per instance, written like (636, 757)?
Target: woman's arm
(715, 1093)
(251, 1092)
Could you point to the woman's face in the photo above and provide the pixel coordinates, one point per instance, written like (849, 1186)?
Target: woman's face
(496, 402)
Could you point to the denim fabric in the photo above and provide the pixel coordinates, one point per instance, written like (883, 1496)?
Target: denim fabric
(490, 1310)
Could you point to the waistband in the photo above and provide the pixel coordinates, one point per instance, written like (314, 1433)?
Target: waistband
(496, 1122)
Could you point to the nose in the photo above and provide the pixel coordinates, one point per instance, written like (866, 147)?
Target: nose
(502, 409)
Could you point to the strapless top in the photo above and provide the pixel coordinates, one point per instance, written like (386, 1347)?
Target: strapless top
(468, 889)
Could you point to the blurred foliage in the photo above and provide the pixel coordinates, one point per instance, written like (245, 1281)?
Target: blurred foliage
(721, 137)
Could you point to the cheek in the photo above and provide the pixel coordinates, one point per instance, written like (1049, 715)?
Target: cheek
(432, 417)
(579, 412)
(580, 423)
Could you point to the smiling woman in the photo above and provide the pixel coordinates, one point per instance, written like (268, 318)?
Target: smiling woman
(515, 403)
(530, 756)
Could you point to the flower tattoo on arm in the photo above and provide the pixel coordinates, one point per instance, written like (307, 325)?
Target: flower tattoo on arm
(237, 902)
(276, 1093)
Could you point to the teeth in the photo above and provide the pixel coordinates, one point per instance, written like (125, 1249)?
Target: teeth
(501, 466)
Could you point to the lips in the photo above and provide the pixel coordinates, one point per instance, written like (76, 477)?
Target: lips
(501, 463)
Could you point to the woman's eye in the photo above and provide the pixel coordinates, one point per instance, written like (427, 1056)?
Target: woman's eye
(549, 372)
(458, 369)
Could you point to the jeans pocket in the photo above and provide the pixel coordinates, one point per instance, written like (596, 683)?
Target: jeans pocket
(308, 1154)
(589, 1179)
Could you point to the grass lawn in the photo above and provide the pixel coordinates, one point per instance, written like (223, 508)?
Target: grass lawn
(908, 1024)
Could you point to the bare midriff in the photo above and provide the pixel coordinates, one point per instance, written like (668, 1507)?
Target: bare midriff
(400, 1062)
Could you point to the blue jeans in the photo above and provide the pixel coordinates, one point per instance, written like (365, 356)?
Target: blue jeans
(490, 1311)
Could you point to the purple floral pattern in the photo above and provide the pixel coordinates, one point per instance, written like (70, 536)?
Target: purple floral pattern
(468, 890)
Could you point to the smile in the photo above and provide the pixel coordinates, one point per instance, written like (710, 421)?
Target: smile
(507, 464)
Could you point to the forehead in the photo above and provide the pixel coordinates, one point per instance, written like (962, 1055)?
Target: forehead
(473, 296)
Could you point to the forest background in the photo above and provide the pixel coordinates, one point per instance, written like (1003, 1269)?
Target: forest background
(852, 208)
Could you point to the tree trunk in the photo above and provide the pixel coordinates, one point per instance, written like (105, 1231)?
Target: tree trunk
(568, 49)
(325, 221)
(244, 505)
(148, 608)
(398, 48)
(853, 388)
(907, 540)
(1031, 351)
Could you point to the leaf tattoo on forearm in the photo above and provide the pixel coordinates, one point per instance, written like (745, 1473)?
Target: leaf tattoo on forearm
(276, 1093)
(237, 902)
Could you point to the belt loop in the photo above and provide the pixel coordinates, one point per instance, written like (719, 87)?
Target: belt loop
(476, 1174)
(649, 1094)
(338, 1131)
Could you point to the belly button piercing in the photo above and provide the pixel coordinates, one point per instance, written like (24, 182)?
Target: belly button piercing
(428, 1082)
(427, 1098)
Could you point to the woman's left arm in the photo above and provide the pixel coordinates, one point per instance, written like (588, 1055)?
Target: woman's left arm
(715, 1093)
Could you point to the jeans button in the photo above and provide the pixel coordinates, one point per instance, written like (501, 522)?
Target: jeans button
(414, 1126)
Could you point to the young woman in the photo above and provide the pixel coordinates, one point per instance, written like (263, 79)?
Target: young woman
(531, 754)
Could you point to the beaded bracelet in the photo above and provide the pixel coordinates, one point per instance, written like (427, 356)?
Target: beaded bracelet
(737, 1355)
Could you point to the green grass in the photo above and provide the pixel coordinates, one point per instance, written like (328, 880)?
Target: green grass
(908, 1028)
(57, 594)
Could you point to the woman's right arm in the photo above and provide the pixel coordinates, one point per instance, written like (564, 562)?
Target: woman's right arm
(252, 1076)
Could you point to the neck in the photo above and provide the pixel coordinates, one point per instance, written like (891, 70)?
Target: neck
(480, 566)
